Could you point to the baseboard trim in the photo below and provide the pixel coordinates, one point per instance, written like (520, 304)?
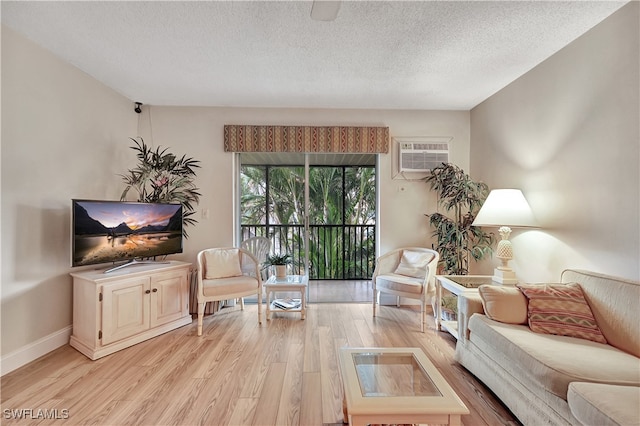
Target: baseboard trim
(35, 350)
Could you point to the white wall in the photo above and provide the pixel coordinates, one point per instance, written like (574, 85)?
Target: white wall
(198, 132)
(65, 135)
(567, 134)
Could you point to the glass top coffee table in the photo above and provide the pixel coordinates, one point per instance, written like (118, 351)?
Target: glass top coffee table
(396, 385)
(289, 283)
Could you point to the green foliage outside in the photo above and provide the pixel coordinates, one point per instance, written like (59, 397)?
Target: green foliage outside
(337, 196)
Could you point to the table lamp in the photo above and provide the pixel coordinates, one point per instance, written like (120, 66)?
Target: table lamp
(505, 208)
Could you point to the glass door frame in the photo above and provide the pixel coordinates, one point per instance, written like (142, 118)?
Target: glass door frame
(237, 234)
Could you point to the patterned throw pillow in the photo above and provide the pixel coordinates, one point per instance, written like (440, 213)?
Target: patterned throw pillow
(561, 309)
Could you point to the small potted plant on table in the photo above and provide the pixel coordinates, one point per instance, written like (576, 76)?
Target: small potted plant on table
(280, 262)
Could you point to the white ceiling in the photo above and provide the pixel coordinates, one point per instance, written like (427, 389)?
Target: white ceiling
(376, 54)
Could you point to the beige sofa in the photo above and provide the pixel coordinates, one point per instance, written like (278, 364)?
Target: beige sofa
(558, 380)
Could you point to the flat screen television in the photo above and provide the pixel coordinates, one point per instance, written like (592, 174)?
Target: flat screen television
(122, 231)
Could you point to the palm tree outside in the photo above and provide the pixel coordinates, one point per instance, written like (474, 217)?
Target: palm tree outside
(341, 215)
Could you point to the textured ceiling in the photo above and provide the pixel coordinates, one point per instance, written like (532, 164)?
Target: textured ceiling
(380, 54)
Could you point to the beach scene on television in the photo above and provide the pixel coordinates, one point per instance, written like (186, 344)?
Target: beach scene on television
(113, 231)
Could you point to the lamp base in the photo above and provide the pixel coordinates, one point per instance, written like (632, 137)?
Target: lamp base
(504, 276)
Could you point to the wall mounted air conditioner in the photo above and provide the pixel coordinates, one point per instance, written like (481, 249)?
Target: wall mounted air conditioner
(422, 157)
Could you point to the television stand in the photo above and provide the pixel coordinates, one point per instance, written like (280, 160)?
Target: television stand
(114, 311)
(136, 262)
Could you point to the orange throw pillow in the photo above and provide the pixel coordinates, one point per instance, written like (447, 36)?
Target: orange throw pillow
(561, 309)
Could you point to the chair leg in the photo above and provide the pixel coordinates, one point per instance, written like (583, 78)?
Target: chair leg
(423, 316)
(242, 303)
(397, 301)
(375, 300)
(259, 307)
(200, 317)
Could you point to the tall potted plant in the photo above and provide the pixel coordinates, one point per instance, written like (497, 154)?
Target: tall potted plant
(161, 177)
(457, 239)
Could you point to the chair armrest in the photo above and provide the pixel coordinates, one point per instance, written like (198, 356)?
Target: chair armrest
(386, 263)
(468, 304)
(250, 265)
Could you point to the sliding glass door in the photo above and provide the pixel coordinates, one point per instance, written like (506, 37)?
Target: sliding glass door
(320, 209)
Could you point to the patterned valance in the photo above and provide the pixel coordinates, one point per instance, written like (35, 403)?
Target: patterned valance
(340, 139)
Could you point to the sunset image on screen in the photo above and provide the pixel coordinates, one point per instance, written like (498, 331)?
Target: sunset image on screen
(113, 231)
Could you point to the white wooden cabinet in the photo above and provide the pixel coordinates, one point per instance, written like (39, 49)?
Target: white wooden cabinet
(116, 310)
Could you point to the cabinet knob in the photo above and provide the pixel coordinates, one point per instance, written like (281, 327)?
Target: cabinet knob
(147, 291)
(154, 290)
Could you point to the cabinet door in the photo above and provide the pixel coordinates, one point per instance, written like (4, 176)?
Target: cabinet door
(169, 297)
(125, 309)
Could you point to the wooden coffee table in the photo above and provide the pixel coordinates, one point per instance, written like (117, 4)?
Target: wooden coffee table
(396, 385)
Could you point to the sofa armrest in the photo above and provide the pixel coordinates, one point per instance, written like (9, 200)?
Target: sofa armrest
(468, 304)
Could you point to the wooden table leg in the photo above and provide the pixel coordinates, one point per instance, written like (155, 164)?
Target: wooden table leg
(455, 420)
(345, 415)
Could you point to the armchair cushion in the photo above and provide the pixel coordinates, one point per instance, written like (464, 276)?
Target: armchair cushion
(397, 282)
(222, 263)
(413, 264)
(504, 303)
(229, 285)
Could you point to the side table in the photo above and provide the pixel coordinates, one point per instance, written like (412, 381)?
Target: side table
(290, 283)
(456, 284)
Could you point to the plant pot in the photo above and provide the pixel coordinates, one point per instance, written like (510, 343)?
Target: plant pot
(281, 271)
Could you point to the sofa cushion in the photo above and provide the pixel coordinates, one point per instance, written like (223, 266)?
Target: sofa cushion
(413, 264)
(549, 361)
(504, 303)
(597, 404)
(561, 309)
(615, 305)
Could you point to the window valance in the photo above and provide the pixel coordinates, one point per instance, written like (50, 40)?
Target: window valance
(338, 139)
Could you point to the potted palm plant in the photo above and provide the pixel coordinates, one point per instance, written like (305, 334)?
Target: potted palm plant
(161, 177)
(279, 262)
(457, 239)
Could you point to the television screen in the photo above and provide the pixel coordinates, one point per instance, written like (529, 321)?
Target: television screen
(113, 231)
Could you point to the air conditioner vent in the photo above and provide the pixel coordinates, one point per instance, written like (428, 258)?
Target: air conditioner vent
(422, 157)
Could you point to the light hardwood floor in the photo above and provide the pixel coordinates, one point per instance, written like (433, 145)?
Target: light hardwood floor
(340, 291)
(238, 373)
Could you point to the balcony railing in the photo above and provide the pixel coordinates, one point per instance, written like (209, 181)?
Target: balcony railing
(336, 252)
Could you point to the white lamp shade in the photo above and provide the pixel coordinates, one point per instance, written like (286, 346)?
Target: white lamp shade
(506, 207)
